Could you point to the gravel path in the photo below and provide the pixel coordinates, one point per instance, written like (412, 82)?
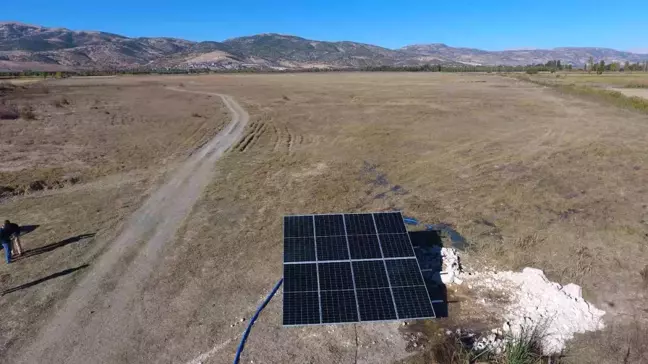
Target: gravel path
(88, 326)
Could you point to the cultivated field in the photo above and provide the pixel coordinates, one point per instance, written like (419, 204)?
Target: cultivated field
(530, 176)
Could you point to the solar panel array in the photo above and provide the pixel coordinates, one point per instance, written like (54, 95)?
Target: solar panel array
(341, 268)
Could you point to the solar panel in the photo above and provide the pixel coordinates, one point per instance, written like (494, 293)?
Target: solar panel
(341, 268)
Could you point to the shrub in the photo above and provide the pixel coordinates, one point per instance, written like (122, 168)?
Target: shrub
(532, 71)
(196, 115)
(61, 102)
(27, 113)
(524, 348)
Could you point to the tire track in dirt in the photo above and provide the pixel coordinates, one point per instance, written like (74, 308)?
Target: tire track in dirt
(77, 335)
(254, 133)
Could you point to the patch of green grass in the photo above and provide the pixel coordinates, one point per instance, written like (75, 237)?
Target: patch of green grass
(637, 85)
(613, 97)
(524, 348)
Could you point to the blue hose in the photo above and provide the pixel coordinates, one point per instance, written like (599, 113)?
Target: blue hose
(239, 351)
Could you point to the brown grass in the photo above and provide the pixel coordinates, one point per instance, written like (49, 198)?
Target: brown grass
(98, 130)
(531, 176)
(545, 168)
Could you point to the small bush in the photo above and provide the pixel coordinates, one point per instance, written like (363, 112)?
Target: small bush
(644, 276)
(27, 113)
(196, 115)
(286, 98)
(61, 102)
(525, 348)
(532, 71)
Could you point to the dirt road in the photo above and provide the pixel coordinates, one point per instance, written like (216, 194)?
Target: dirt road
(88, 327)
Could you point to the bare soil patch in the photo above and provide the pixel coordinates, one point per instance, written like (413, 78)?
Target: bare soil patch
(638, 92)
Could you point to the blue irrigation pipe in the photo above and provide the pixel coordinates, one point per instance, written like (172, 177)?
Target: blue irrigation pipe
(410, 220)
(239, 351)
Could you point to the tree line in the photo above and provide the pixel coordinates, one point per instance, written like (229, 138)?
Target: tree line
(600, 66)
(549, 66)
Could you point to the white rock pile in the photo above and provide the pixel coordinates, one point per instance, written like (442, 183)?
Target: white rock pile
(558, 312)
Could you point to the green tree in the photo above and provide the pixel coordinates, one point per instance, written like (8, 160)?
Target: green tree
(626, 67)
(601, 67)
(590, 62)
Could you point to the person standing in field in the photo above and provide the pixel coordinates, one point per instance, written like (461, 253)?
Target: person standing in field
(13, 231)
(6, 244)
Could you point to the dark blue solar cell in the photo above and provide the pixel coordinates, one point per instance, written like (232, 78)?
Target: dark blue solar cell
(301, 308)
(404, 272)
(335, 276)
(390, 223)
(298, 226)
(370, 274)
(376, 304)
(412, 302)
(339, 306)
(300, 277)
(359, 224)
(364, 247)
(329, 225)
(396, 245)
(332, 248)
(299, 249)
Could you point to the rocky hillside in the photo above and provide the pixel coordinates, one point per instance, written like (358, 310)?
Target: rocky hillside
(567, 55)
(39, 48)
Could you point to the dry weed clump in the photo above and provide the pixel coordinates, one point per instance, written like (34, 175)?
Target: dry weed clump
(27, 112)
(63, 101)
(644, 276)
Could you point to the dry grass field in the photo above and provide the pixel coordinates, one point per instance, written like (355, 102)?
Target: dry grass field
(530, 176)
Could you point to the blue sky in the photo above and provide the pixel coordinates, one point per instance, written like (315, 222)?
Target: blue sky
(491, 25)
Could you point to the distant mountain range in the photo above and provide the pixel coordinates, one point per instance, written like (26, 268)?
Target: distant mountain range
(34, 47)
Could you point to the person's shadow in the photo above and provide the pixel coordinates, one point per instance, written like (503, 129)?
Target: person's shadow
(50, 247)
(44, 279)
(427, 246)
(26, 229)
